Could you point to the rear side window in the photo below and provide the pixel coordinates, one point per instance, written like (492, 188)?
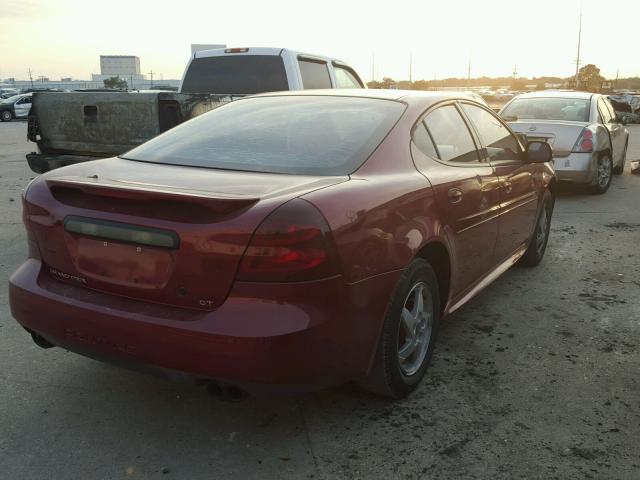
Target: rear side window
(451, 135)
(236, 74)
(605, 114)
(499, 143)
(314, 74)
(301, 134)
(423, 141)
(345, 79)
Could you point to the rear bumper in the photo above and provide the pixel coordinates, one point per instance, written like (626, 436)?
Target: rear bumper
(41, 163)
(304, 336)
(576, 167)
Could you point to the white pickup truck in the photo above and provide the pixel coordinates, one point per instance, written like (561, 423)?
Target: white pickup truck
(72, 127)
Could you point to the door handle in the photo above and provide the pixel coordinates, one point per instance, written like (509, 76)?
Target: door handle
(455, 195)
(507, 187)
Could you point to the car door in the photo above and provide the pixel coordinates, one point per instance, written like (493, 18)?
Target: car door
(518, 191)
(615, 128)
(22, 106)
(465, 189)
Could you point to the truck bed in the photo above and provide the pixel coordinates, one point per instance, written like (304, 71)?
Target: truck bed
(89, 125)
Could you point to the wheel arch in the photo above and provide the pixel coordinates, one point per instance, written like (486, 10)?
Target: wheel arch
(437, 254)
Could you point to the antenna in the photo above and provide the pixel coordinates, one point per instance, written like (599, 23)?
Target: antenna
(578, 62)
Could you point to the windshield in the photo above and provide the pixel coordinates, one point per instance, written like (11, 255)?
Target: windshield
(540, 108)
(305, 135)
(238, 75)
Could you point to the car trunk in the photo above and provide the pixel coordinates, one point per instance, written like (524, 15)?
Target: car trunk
(159, 233)
(562, 136)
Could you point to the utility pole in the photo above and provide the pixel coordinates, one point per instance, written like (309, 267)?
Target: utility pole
(31, 78)
(617, 72)
(151, 74)
(410, 67)
(373, 67)
(515, 72)
(469, 71)
(578, 62)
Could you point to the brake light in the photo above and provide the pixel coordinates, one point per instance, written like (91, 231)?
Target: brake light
(293, 243)
(236, 50)
(585, 142)
(32, 244)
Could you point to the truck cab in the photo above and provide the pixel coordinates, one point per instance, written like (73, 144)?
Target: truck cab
(247, 71)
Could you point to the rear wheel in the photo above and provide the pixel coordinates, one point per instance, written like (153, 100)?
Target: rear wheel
(408, 333)
(602, 175)
(538, 244)
(619, 170)
(6, 116)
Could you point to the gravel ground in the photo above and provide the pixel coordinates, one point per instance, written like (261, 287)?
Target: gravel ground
(537, 377)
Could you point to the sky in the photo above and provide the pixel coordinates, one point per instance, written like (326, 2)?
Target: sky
(64, 38)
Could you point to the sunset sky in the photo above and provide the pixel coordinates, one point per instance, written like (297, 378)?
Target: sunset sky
(64, 38)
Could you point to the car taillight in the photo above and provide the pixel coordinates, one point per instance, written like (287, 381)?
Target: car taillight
(33, 250)
(294, 243)
(585, 142)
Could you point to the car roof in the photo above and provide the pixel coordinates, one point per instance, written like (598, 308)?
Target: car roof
(557, 94)
(268, 51)
(408, 96)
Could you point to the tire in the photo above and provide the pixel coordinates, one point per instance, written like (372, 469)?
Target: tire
(6, 116)
(538, 244)
(390, 376)
(602, 176)
(619, 170)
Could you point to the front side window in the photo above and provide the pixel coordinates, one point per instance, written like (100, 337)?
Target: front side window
(302, 134)
(314, 74)
(547, 108)
(498, 142)
(345, 79)
(451, 135)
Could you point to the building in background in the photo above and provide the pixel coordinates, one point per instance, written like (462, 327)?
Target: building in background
(126, 67)
(196, 47)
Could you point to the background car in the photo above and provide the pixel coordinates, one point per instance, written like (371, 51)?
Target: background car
(589, 141)
(17, 106)
(290, 240)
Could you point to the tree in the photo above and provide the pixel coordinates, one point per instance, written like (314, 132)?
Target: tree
(115, 82)
(589, 78)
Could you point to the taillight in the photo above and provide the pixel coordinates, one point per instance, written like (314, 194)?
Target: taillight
(585, 142)
(294, 243)
(33, 250)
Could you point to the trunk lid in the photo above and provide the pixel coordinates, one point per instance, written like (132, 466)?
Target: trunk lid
(160, 233)
(561, 135)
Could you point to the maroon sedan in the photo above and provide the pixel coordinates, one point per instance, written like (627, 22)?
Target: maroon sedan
(294, 240)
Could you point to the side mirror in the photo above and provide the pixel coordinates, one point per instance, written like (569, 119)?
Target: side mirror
(538, 152)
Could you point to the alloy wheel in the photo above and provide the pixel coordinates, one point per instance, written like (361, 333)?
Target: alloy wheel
(604, 171)
(541, 231)
(416, 326)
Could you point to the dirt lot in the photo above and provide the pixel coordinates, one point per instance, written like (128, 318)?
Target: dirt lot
(537, 377)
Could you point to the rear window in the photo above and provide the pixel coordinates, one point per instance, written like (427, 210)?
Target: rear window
(304, 135)
(239, 75)
(568, 109)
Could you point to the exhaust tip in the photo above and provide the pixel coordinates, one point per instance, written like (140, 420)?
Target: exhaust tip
(40, 341)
